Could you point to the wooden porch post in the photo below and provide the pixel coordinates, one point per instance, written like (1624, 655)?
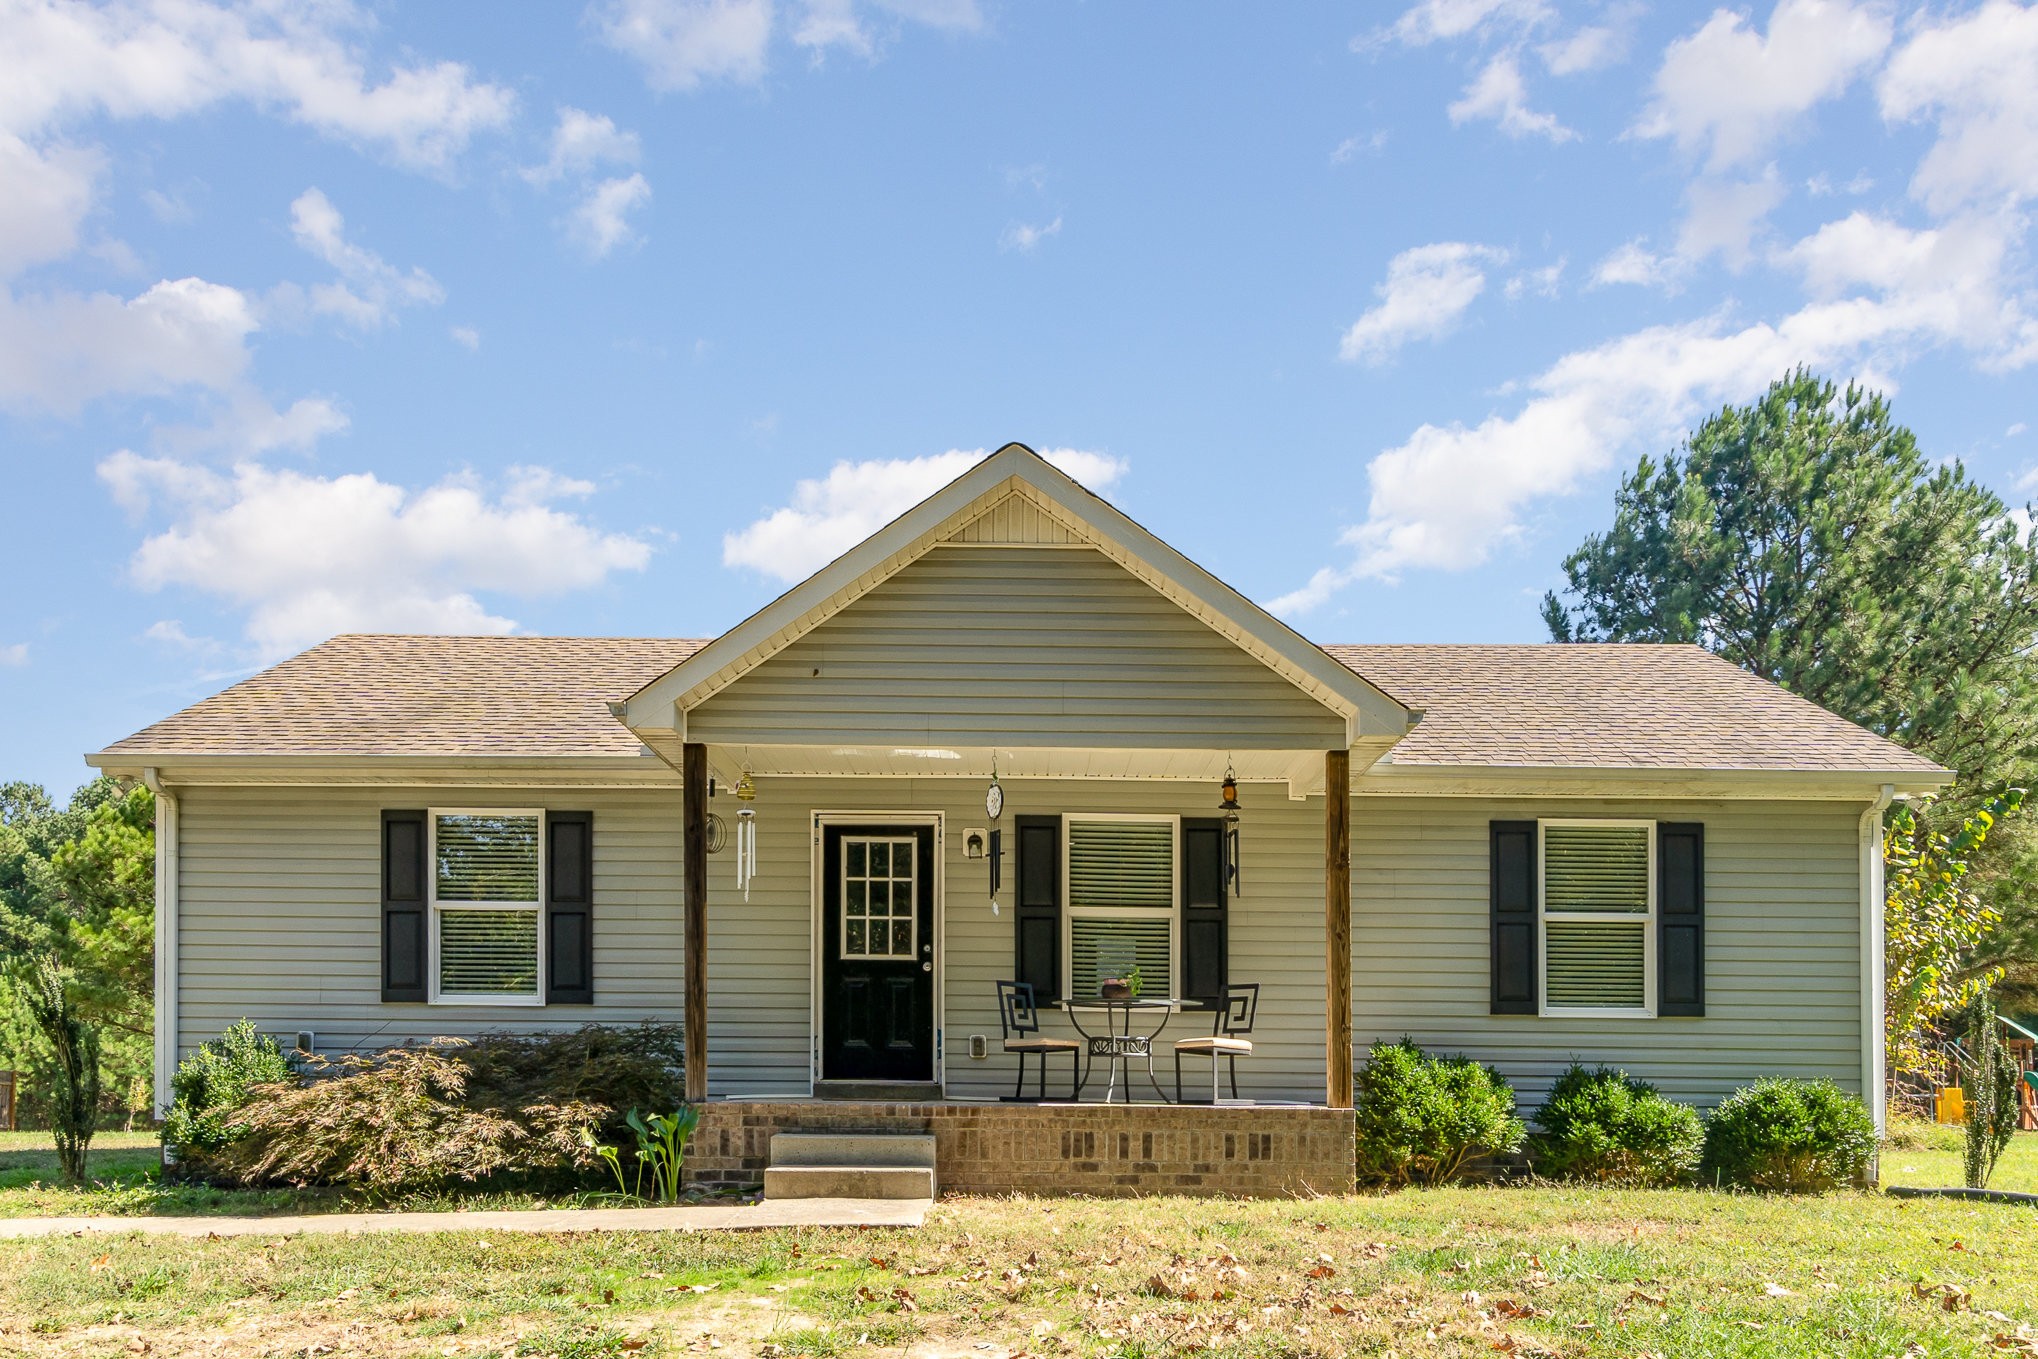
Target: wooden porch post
(1337, 928)
(693, 776)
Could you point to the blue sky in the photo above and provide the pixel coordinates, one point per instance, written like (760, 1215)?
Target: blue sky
(321, 318)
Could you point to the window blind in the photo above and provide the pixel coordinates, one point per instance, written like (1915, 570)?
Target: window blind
(1594, 964)
(488, 953)
(1596, 868)
(487, 857)
(1108, 946)
(1122, 864)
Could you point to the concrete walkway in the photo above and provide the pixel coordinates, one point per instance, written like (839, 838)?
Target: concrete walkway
(703, 1217)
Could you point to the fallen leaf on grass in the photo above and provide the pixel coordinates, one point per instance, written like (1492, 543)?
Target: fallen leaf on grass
(1950, 1297)
(1777, 1290)
(1518, 1311)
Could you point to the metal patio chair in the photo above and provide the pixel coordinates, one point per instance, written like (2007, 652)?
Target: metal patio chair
(1231, 1020)
(1020, 1021)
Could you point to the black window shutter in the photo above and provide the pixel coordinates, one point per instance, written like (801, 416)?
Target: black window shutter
(1680, 919)
(1036, 927)
(1204, 932)
(1514, 917)
(405, 910)
(569, 908)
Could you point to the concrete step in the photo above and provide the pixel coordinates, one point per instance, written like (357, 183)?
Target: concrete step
(848, 1182)
(853, 1149)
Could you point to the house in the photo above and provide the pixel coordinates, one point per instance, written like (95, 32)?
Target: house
(784, 835)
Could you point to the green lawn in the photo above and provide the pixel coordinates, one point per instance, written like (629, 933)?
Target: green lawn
(1525, 1271)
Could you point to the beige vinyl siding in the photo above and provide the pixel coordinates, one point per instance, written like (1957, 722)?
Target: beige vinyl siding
(281, 914)
(1015, 646)
(1782, 943)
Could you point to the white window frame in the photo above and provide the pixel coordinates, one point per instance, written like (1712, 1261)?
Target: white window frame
(1069, 910)
(912, 953)
(1544, 915)
(438, 907)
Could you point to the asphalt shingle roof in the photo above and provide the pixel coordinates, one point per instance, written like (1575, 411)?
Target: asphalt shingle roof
(1626, 706)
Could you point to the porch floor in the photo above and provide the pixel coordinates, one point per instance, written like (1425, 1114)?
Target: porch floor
(988, 1147)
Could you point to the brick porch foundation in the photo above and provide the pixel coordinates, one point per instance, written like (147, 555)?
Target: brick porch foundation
(1114, 1150)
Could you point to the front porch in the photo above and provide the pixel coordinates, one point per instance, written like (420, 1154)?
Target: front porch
(1116, 1150)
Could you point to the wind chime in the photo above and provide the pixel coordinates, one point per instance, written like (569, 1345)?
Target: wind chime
(746, 833)
(994, 806)
(1228, 804)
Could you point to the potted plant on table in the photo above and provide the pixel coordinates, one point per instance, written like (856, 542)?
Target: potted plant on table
(1126, 987)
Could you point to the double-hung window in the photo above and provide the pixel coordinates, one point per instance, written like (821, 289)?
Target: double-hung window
(1598, 903)
(1122, 902)
(487, 895)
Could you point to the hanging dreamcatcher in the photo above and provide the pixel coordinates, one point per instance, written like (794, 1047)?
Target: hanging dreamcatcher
(746, 833)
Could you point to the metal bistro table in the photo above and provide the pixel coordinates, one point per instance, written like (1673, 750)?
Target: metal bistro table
(1115, 1040)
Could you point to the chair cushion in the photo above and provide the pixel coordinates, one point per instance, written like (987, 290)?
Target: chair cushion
(1236, 1047)
(1041, 1045)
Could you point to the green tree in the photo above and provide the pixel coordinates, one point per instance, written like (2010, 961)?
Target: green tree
(1805, 538)
(74, 1067)
(1933, 924)
(78, 885)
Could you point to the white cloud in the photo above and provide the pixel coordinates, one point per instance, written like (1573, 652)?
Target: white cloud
(1979, 75)
(309, 556)
(49, 191)
(1730, 91)
(833, 23)
(68, 59)
(1499, 93)
(583, 141)
(2014, 430)
(1723, 217)
(829, 515)
(1441, 20)
(1425, 294)
(59, 351)
(681, 43)
(1588, 49)
(601, 221)
(467, 337)
(370, 289)
(1343, 152)
(1543, 282)
(1449, 495)
(1024, 236)
(1636, 264)
(14, 655)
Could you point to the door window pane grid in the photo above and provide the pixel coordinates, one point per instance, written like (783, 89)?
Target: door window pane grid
(879, 882)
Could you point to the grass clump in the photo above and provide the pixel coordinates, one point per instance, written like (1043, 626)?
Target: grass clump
(1604, 1125)
(1788, 1136)
(1424, 1119)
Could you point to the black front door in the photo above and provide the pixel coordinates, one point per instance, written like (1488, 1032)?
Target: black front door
(877, 953)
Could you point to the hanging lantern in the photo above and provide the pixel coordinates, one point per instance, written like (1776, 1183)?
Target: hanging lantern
(1228, 804)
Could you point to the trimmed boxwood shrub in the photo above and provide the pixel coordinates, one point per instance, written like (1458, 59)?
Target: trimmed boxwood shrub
(213, 1082)
(1788, 1136)
(1603, 1124)
(1424, 1119)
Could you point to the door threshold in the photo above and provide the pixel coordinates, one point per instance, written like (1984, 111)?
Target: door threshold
(917, 1092)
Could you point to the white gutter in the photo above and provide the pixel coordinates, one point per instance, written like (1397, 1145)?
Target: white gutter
(1872, 961)
(166, 937)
